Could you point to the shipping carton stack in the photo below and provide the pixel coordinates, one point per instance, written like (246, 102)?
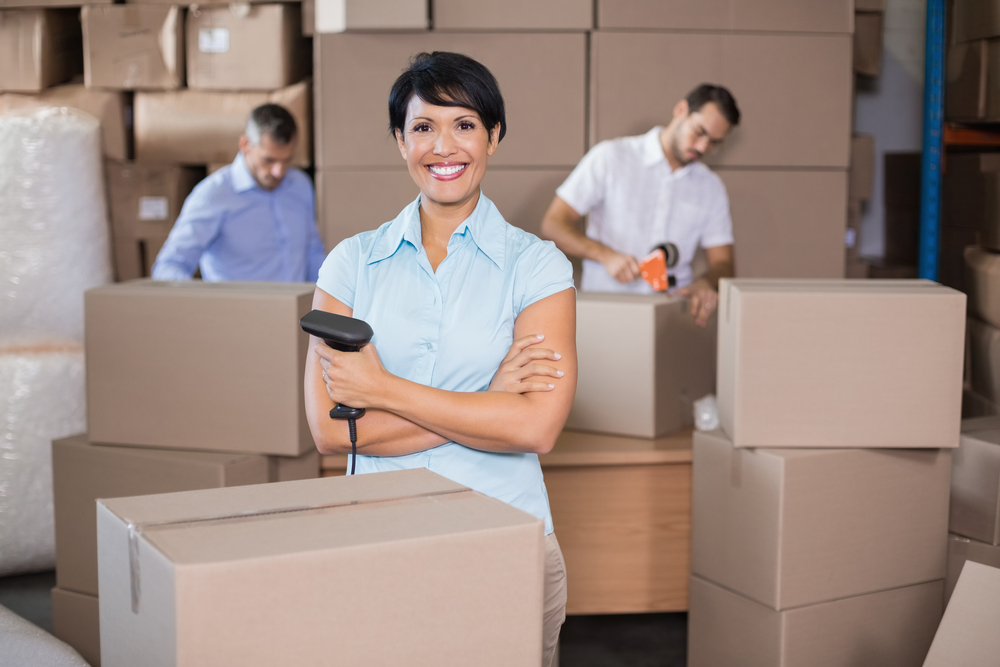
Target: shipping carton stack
(861, 184)
(176, 402)
(869, 19)
(820, 509)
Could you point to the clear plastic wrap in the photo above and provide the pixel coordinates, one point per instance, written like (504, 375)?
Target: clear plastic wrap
(54, 234)
(42, 397)
(24, 643)
(706, 413)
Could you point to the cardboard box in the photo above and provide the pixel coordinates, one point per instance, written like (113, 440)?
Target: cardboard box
(962, 549)
(819, 363)
(642, 364)
(858, 270)
(974, 405)
(880, 270)
(146, 197)
(76, 621)
(869, 5)
(971, 195)
(38, 48)
(967, 634)
(868, 42)
(975, 487)
(200, 127)
(975, 19)
(767, 15)
(981, 423)
(260, 48)
(84, 472)
(112, 109)
(198, 390)
(130, 47)
(341, 15)
(982, 279)
(966, 80)
(861, 175)
(514, 15)
(134, 258)
(890, 628)
(542, 76)
(984, 360)
(308, 17)
(795, 527)
(787, 224)
(453, 577)
(814, 71)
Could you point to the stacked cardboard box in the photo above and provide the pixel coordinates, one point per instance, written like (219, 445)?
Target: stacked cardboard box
(869, 19)
(861, 184)
(972, 62)
(176, 402)
(820, 509)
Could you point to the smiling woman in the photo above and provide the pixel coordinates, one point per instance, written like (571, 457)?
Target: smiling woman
(472, 369)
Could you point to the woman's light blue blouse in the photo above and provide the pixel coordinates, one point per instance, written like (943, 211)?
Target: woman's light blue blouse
(450, 329)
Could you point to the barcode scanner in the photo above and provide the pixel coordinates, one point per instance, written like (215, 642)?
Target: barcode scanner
(346, 334)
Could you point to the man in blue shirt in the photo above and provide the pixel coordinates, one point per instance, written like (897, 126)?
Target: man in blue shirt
(254, 219)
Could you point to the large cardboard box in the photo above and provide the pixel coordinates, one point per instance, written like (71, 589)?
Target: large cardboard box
(642, 364)
(861, 175)
(868, 42)
(973, 81)
(962, 549)
(258, 48)
(198, 365)
(787, 223)
(794, 527)
(743, 15)
(542, 76)
(975, 19)
(341, 15)
(112, 109)
(349, 202)
(146, 197)
(392, 568)
(133, 258)
(971, 196)
(812, 73)
(38, 48)
(890, 628)
(514, 15)
(982, 280)
(967, 635)
(128, 47)
(76, 621)
(984, 360)
(840, 363)
(201, 127)
(83, 472)
(975, 487)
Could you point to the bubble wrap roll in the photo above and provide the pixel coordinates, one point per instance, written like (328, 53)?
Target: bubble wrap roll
(53, 223)
(24, 643)
(42, 397)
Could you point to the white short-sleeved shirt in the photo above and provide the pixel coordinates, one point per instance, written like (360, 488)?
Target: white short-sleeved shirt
(452, 328)
(637, 202)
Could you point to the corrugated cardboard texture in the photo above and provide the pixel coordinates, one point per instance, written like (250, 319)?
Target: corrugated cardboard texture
(146, 197)
(341, 15)
(984, 360)
(975, 487)
(982, 279)
(811, 73)
(38, 48)
(76, 621)
(259, 47)
(451, 576)
(861, 176)
(892, 628)
(765, 15)
(542, 76)
(962, 549)
(840, 363)
(128, 47)
(514, 15)
(200, 127)
(968, 632)
(84, 472)
(868, 43)
(787, 224)
(794, 527)
(642, 364)
(168, 365)
(110, 108)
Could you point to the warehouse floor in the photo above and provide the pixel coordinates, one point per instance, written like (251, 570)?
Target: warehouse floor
(627, 640)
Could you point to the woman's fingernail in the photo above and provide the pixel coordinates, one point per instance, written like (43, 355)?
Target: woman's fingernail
(552, 386)
(558, 356)
(560, 373)
(540, 336)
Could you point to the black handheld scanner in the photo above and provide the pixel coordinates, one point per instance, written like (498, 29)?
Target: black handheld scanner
(346, 334)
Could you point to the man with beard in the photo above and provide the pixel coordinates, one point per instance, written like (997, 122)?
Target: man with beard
(648, 190)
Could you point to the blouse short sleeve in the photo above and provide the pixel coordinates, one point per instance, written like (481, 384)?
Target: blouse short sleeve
(542, 272)
(338, 276)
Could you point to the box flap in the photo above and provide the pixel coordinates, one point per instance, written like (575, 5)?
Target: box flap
(968, 633)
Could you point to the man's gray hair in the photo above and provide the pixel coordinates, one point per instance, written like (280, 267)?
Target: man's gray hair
(272, 120)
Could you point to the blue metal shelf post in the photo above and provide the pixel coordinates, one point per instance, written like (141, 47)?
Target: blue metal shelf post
(930, 191)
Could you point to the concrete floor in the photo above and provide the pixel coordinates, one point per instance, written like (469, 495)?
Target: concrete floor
(627, 640)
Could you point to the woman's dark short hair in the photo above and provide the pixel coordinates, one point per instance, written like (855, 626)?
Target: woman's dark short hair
(722, 98)
(448, 79)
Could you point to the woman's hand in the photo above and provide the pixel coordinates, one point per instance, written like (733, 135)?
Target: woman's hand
(521, 362)
(353, 378)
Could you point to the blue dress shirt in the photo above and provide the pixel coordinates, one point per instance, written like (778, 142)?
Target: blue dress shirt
(450, 329)
(236, 230)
